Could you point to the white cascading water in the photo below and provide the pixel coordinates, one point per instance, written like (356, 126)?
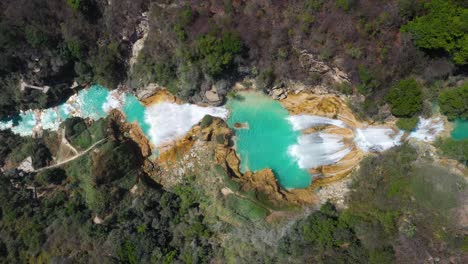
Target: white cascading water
(318, 149)
(377, 139)
(170, 121)
(428, 129)
(113, 101)
(300, 122)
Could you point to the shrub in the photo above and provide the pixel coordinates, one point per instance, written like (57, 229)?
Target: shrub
(74, 4)
(407, 124)
(454, 149)
(405, 98)
(454, 102)
(354, 52)
(206, 121)
(344, 88)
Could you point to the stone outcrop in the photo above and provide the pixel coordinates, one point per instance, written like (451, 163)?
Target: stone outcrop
(311, 63)
(157, 94)
(133, 131)
(264, 182)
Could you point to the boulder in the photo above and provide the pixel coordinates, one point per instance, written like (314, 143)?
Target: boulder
(278, 94)
(212, 96)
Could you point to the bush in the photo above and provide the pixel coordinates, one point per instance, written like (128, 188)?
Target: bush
(407, 124)
(454, 102)
(405, 98)
(206, 121)
(444, 27)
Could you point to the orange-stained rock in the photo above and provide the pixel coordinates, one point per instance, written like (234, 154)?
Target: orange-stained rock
(133, 131)
(161, 95)
(338, 171)
(331, 106)
(322, 105)
(264, 182)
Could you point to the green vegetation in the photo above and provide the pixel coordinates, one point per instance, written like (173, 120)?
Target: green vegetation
(55, 176)
(217, 53)
(407, 124)
(445, 26)
(346, 5)
(82, 135)
(405, 98)
(103, 208)
(454, 149)
(454, 102)
(246, 208)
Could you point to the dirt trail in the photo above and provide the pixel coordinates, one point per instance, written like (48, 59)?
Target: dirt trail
(78, 155)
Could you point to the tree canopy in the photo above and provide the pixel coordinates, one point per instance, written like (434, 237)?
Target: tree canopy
(445, 27)
(405, 98)
(454, 102)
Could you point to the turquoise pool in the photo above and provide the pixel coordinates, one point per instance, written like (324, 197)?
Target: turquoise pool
(461, 129)
(264, 143)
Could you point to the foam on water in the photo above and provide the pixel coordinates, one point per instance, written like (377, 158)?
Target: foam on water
(50, 119)
(90, 102)
(170, 121)
(318, 149)
(377, 139)
(300, 122)
(26, 125)
(114, 100)
(428, 129)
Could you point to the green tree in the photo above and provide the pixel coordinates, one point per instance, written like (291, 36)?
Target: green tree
(217, 53)
(407, 124)
(405, 98)
(454, 102)
(445, 26)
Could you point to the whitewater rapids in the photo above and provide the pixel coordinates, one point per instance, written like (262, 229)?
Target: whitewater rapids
(170, 121)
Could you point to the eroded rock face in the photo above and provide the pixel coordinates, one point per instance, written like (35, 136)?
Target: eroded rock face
(327, 105)
(133, 131)
(154, 94)
(264, 182)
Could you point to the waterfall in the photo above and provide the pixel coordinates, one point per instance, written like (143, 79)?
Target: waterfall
(169, 121)
(377, 139)
(428, 129)
(300, 122)
(318, 149)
